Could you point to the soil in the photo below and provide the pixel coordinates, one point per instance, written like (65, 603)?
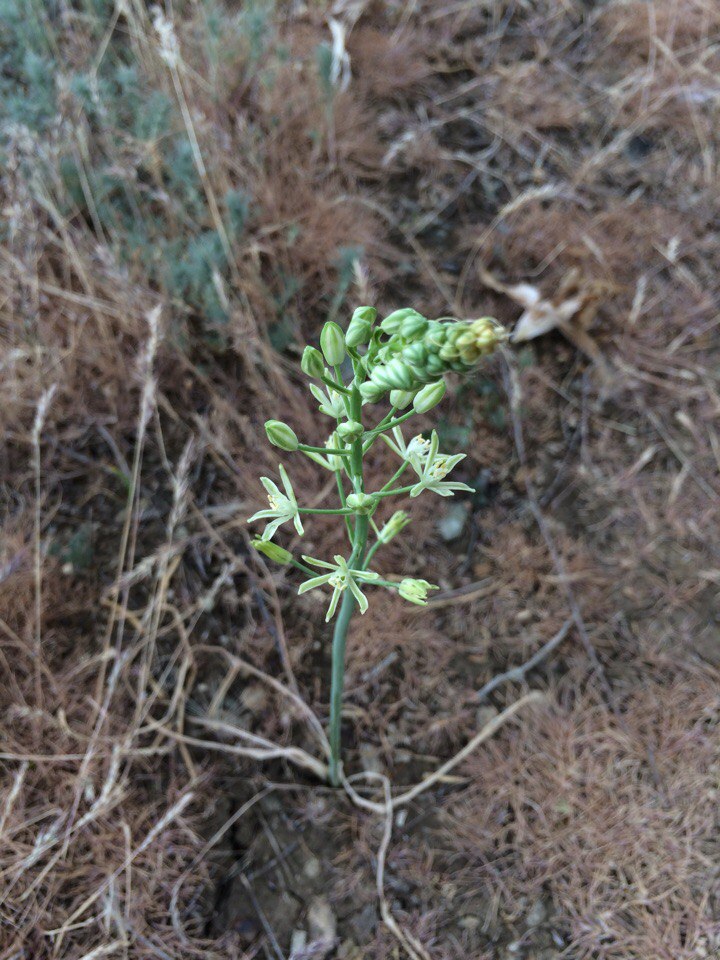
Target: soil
(527, 142)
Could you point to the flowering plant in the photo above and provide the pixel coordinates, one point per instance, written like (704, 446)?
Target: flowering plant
(404, 358)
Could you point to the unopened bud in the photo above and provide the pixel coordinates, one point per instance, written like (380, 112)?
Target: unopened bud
(312, 363)
(415, 354)
(413, 326)
(397, 522)
(429, 397)
(395, 375)
(332, 342)
(350, 430)
(391, 324)
(434, 365)
(281, 435)
(359, 329)
(372, 392)
(272, 551)
(415, 591)
(401, 398)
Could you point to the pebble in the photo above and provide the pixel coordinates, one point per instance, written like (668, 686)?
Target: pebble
(312, 868)
(483, 716)
(537, 914)
(322, 922)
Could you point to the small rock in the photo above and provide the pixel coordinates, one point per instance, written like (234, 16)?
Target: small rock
(370, 758)
(537, 914)
(298, 942)
(469, 923)
(322, 922)
(312, 868)
(452, 524)
(483, 715)
(254, 698)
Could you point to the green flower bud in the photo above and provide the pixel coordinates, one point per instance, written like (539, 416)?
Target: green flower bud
(397, 522)
(359, 329)
(448, 351)
(396, 375)
(361, 503)
(272, 551)
(415, 591)
(281, 435)
(332, 342)
(415, 354)
(372, 392)
(429, 397)
(391, 323)
(312, 363)
(401, 398)
(434, 365)
(435, 335)
(350, 430)
(413, 326)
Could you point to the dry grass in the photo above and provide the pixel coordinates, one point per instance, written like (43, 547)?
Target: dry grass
(528, 139)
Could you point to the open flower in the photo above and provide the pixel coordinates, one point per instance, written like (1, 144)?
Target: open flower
(414, 453)
(435, 468)
(340, 578)
(415, 591)
(330, 401)
(282, 507)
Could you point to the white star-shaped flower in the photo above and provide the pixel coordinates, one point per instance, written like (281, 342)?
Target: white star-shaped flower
(330, 401)
(434, 470)
(283, 507)
(340, 578)
(414, 453)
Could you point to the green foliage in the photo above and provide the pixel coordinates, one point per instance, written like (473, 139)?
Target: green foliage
(138, 182)
(108, 142)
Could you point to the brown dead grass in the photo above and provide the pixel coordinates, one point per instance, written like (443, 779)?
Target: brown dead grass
(533, 139)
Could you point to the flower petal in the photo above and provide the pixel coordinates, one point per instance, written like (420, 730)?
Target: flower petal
(333, 605)
(286, 483)
(362, 600)
(314, 582)
(318, 563)
(272, 488)
(271, 528)
(262, 515)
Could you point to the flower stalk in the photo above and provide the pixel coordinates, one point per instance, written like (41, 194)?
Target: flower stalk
(406, 356)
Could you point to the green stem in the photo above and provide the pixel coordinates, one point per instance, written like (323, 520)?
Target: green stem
(371, 553)
(306, 448)
(341, 494)
(393, 493)
(347, 607)
(301, 566)
(334, 385)
(336, 513)
(391, 481)
(345, 393)
(371, 436)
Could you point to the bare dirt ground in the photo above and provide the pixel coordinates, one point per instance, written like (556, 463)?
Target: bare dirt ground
(172, 242)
